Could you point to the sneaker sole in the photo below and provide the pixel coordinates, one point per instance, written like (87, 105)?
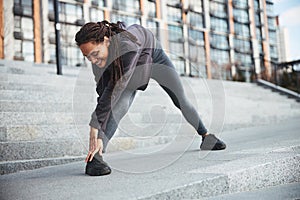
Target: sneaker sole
(95, 172)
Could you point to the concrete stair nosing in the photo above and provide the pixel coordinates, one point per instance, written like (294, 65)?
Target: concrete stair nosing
(22, 165)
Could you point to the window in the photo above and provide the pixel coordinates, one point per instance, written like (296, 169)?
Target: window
(176, 47)
(151, 8)
(273, 52)
(256, 5)
(27, 27)
(96, 15)
(219, 57)
(219, 41)
(196, 5)
(258, 33)
(70, 52)
(270, 8)
(173, 2)
(23, 34)
(219, 25)
(70, 13)
(195, 19)
(241, 16)
(271, 23)
(174, 14)
(244, 59)
(98, 3)
(153, 26)
(219, 62)
(221, 1)
(24, 50)
(196, 53)
(243, 4)
(128, 20)
(242, 30)
(18, 50)
(260, 48)
(131, 6)
(272, 37)
(196, 37)
(242, 46)
(218, 9)
(257, 19)
(28, 50)
(25, 6)
(52, 53)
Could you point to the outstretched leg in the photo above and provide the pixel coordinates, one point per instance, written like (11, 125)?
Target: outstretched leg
(163, 71)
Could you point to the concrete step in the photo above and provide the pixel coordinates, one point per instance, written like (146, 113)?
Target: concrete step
(19, 106)
(21, 165)
(42, 78)
(28, 155)
(17, 67)
(43, 97)
(24, 150)
(283, 191)
(37, 133)
(254, 158)
(34, 118)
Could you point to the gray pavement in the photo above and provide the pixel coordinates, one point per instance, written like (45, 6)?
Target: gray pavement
(286, 191)
(256, 158)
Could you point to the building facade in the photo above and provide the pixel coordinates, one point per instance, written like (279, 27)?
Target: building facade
(282, 43)
(228, 39)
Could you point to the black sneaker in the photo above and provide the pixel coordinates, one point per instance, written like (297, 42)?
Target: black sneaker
(97, 167)
(211, 142)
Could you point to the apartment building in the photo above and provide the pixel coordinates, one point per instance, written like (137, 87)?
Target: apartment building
(228, 39)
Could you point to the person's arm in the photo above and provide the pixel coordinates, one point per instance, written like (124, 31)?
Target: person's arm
(96, 128)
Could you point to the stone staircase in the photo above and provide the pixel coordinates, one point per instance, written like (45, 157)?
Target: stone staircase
(37, 126)
(44, 117)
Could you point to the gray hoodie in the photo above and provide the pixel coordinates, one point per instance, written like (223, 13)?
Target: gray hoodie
(137, 61)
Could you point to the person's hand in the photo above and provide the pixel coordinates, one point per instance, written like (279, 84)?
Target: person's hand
(96, 145)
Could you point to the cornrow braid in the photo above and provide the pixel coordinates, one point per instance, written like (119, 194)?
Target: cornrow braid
(95, 32)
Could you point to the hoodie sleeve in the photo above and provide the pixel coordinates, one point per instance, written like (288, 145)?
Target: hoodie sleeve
(137, 70)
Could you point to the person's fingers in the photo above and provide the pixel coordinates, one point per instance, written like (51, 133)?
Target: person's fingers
(87, 157)
(92, 155)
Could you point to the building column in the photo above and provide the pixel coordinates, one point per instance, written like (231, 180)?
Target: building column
(187, 69)
(257, 68)
(1, 31)
(144, 12)
(266, 47)
(207, 54)
(206, 38)
(37, 31)
(8, 30)
(107, 10)
(45, 32)
(231, 38)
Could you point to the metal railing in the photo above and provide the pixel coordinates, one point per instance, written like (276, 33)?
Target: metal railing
(285, 78)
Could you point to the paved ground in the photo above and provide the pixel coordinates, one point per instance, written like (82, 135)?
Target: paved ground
(287, 191)
(256, 158)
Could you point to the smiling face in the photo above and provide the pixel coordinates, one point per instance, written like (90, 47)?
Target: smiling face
(96, 53)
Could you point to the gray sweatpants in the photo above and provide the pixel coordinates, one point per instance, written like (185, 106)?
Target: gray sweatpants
(163, 71)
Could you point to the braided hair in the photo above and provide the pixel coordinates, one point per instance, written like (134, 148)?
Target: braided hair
(95, 32)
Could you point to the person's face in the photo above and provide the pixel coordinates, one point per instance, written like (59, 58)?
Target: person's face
(96, 53)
